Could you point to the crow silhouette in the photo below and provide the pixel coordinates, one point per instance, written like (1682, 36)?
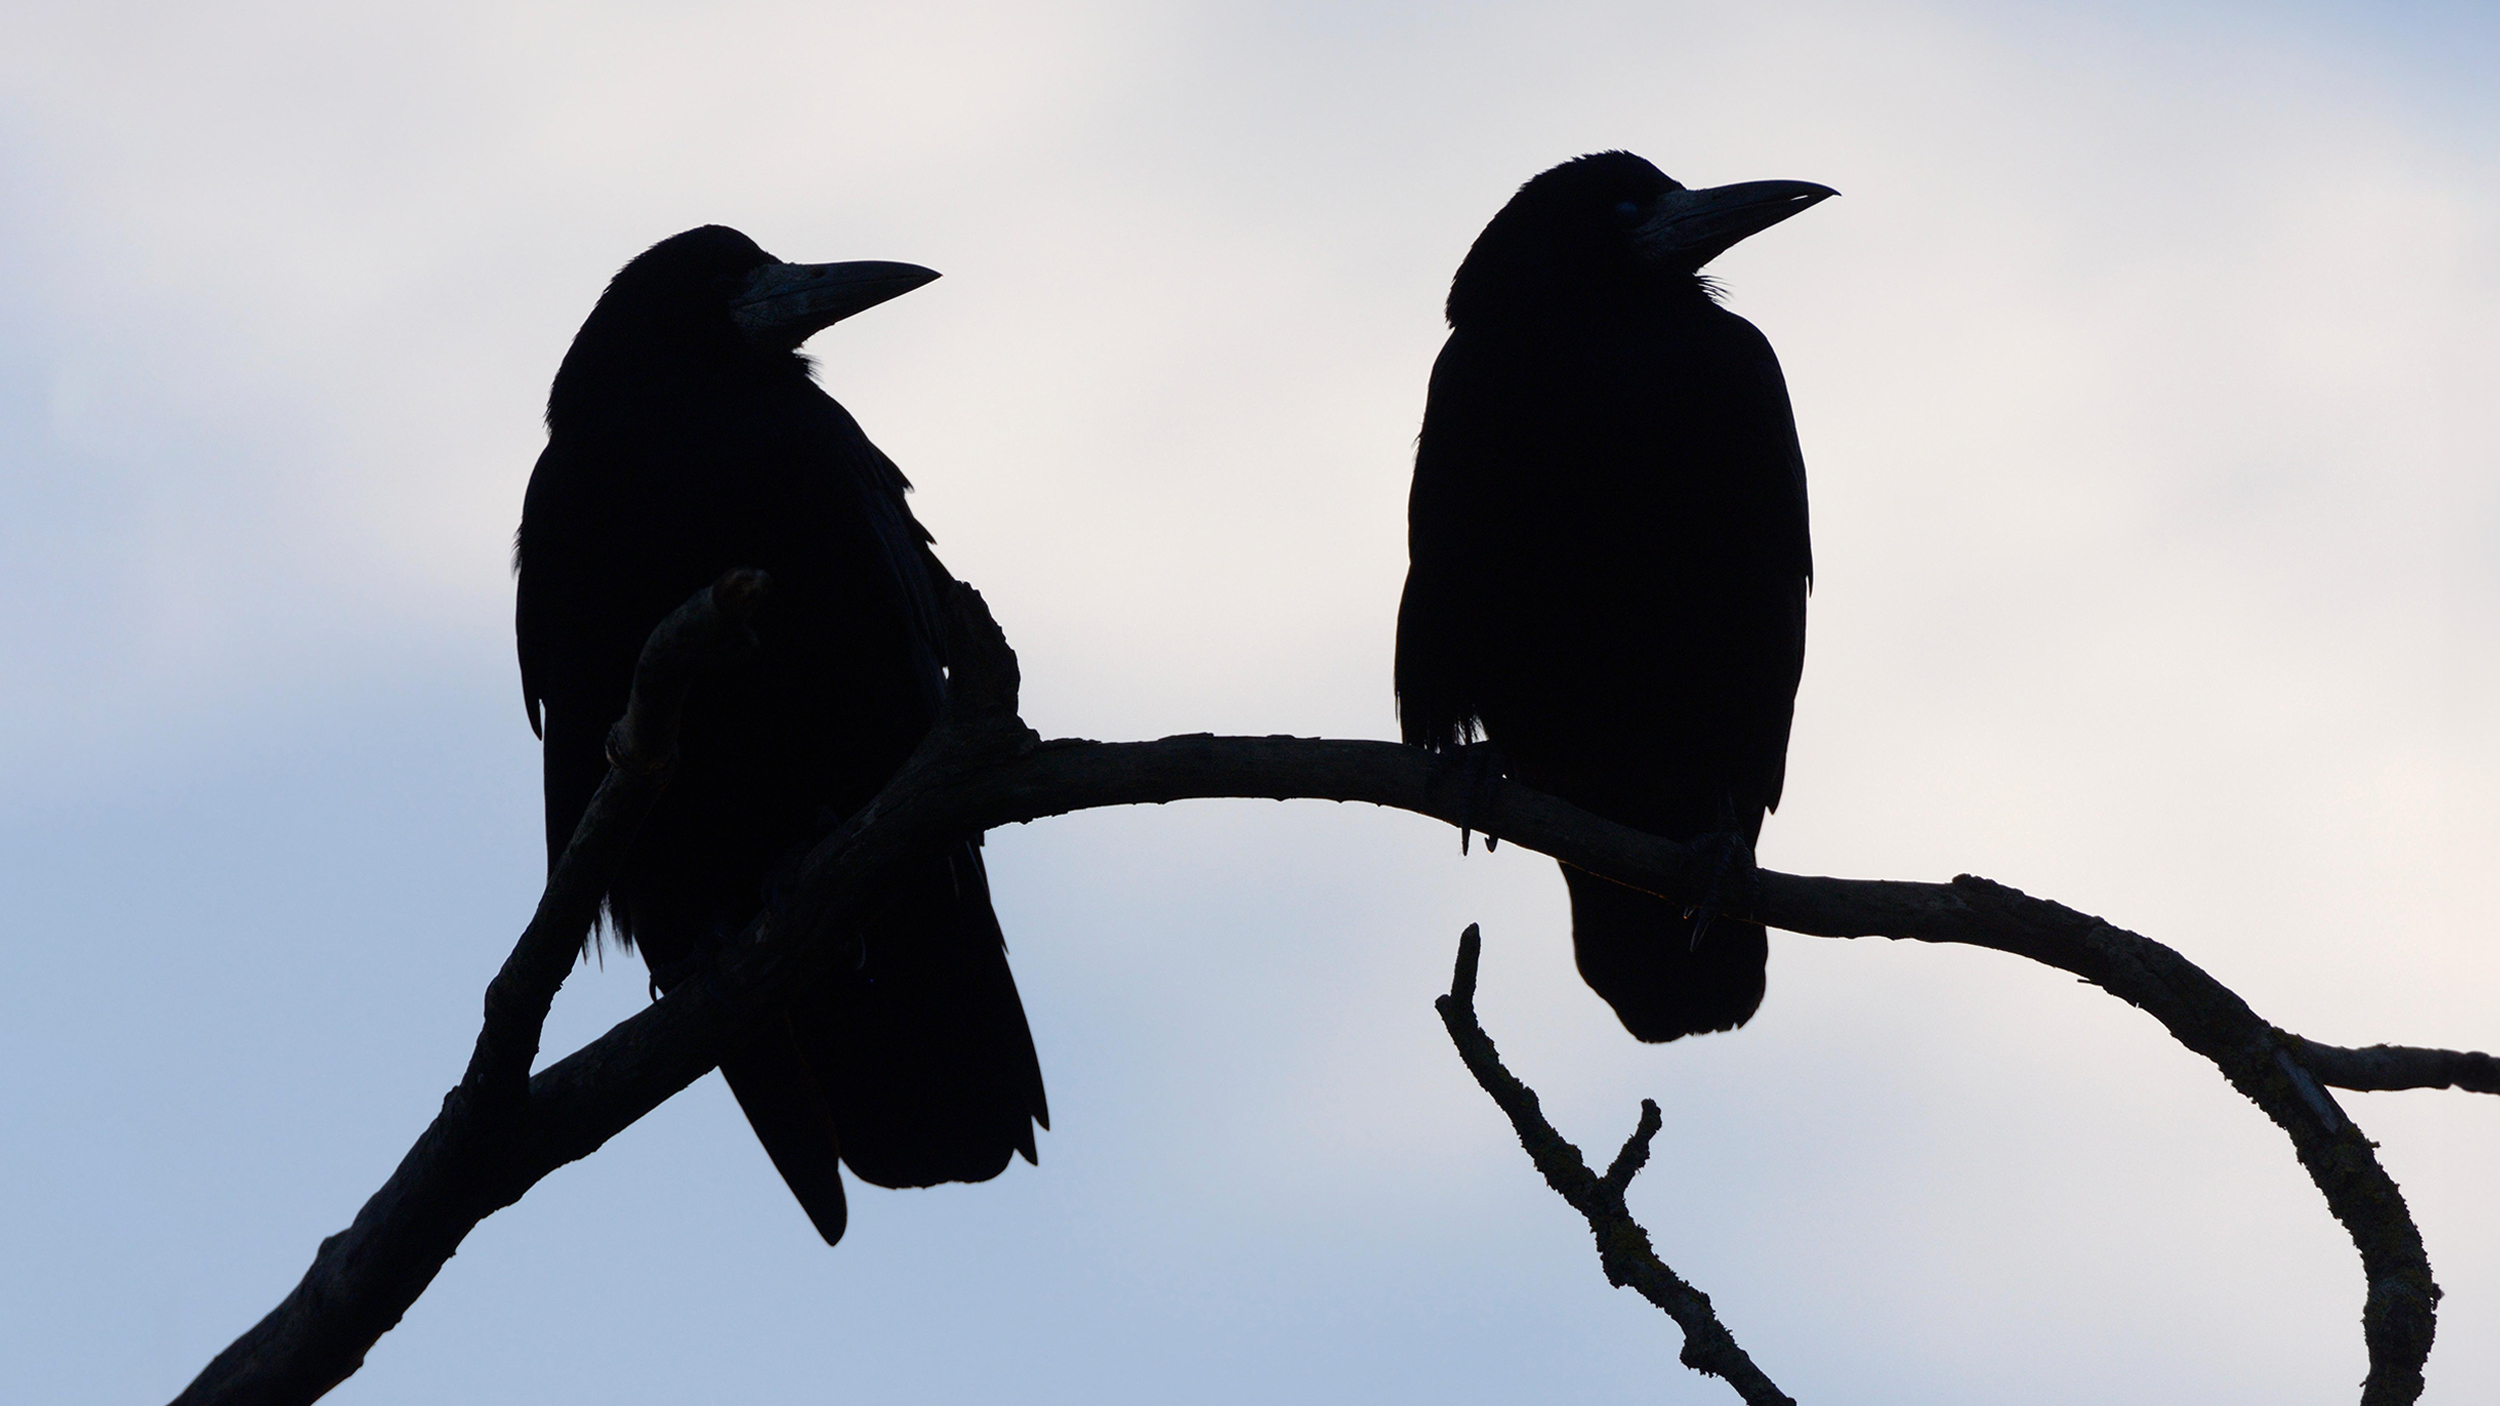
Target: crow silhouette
(1608, 551)
(685, 437)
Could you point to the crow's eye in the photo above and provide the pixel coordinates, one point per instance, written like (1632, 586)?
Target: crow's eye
(1626, 209)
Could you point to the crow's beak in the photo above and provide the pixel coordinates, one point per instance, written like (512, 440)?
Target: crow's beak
(785, 304)
(1691, 227)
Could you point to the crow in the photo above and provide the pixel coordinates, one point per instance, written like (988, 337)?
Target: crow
(1608, 558)
(687, 436)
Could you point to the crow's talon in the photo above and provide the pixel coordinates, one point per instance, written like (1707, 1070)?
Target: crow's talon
(1479, 780)
(1718, 855)
(665, 976)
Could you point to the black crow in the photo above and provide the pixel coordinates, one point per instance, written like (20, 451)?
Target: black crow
(685, 437)
(1609, 561)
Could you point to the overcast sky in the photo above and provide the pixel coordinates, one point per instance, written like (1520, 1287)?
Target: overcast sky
(2144, 377)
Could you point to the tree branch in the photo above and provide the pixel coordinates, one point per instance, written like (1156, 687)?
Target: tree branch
(2383, 1067)
(365, 1277)
(709, 632)
(1623, 1247)
(980, 768)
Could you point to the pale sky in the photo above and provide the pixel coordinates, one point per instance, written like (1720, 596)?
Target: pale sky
(2141, 372)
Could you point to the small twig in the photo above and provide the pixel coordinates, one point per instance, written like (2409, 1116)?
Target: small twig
(2386, 1067)
(1623, 1247)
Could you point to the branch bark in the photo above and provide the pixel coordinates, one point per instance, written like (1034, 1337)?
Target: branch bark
(365, 1277)
(981, 768)
(2382, 1067)
(1623, 1247)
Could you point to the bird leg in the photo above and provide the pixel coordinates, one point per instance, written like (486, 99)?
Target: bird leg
(1720, 856)
(782, 879)
(666, 975)
(1479, 775)
(773, 894)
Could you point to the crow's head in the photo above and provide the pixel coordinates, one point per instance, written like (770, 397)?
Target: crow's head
(711, 299)
(1608, 229)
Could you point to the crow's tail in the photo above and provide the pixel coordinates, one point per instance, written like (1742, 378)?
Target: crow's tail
(913, 1069)
(778, 1090)
(924, 1051)
(1637, 950)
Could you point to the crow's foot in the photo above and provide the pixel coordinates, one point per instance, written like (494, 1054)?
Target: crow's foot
(1479, 777)
(1720, 856)
(666, 975)
(783, 878)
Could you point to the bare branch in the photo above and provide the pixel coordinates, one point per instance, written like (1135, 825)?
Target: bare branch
(365, 1277)
(980, 768)
(2206, 1016)
(2383, 1067)
(1623, 1247)
(708, 632)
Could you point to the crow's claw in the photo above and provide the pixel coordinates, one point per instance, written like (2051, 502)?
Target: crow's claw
(783, 879)
(1718, 855)
(1479, 777)
(666, 975)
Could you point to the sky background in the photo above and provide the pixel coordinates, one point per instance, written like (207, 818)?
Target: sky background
(2143, 374)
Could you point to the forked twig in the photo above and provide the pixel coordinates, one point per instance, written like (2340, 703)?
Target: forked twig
(1623, 1248)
